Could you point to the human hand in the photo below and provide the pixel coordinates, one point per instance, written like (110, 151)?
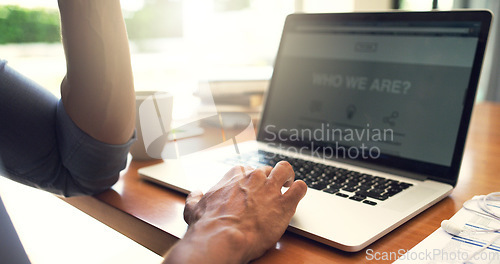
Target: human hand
(243, 215)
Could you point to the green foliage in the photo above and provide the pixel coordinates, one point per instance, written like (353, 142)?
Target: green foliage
(21, 25)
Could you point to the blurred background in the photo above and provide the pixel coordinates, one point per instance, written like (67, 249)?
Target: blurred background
(178, 44)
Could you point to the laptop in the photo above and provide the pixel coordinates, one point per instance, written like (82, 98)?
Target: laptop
(372, 111)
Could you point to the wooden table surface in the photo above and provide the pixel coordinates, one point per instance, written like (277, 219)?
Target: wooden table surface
(152, 215)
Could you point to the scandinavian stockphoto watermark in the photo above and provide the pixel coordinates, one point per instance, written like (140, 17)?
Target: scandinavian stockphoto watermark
(433, 255)
(347, 142)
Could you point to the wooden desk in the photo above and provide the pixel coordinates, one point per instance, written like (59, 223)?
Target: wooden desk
(152, 215)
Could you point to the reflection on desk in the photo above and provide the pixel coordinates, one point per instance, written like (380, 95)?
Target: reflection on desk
(53, 232)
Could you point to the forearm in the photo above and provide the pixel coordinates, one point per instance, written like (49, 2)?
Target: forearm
(98, 91)
(208, 243)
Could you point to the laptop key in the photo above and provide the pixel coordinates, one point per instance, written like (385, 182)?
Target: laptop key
(373, 195)
(364, 187)
(336, 186)
(393, 191)
(350, 189)
(360, 196)
(318, 185)
(405, 185)
(356, 198)
(369, 202)
(331, 190)
(382, 197)
(342, 195)
(366, 176)
(351, 184)
(376, 191)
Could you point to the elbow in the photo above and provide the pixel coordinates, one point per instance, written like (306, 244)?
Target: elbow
(80, 187)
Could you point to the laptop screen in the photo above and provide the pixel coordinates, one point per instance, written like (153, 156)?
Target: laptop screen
(387, 88)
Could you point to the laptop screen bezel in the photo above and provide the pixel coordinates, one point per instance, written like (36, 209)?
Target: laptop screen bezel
(447, 174)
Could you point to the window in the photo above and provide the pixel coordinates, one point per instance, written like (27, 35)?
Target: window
(180, 42)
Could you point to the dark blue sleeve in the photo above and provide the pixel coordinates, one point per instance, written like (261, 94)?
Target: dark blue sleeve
(40, 145)
(11, 249)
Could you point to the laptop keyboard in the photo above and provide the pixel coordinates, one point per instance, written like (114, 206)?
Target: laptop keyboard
(353, 185)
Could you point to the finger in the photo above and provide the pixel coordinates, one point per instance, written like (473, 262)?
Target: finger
(294, 194)
(282, 174)
(257, 177)
(189, 209)
(266, 170)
